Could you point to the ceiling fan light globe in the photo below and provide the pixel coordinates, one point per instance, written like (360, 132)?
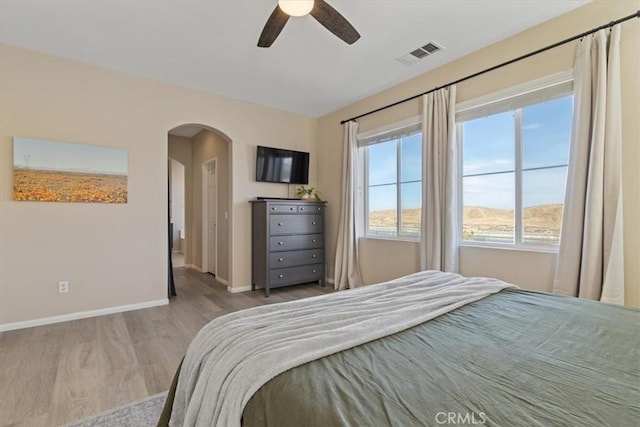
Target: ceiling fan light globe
(296, 7)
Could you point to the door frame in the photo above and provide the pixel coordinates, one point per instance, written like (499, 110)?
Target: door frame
(205, 216)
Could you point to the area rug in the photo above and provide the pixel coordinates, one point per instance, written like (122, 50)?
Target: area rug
(143, 413)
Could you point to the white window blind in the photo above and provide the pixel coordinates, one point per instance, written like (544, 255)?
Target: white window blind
(391, 132)
(531, 93)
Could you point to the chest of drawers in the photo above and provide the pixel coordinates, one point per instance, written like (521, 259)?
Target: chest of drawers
(287, 244)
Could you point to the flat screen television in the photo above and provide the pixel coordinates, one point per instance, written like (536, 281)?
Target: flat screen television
(279, 165)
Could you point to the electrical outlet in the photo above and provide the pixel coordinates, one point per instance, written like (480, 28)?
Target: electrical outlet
(63, 287)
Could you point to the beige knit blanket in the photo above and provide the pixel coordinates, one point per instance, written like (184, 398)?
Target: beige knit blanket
(234, 355)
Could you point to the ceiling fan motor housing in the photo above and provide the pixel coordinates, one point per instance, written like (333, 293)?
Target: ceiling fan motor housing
(322, 12)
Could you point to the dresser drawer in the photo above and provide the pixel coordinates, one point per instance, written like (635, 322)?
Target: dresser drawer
(290, 259)
(293, 243)
(294, 224)
(283, 208)
(310, 209)
(296, 274)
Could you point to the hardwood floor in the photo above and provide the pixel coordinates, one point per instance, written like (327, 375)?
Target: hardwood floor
(55, 374)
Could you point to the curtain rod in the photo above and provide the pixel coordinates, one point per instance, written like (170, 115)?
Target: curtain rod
(495, 67)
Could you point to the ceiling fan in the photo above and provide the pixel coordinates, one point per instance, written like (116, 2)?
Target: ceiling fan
(326, 15)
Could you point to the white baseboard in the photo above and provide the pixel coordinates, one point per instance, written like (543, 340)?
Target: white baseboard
(223, 281)
(248, 288)
(195, 267)
(330, 280)
(235, 290)
(81, 315)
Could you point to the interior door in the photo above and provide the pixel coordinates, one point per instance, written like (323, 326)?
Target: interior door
(212, 211)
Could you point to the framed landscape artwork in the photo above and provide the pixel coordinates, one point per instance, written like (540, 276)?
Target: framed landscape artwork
(48, 171)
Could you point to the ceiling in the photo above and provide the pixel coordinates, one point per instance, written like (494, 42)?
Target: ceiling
(187, 131)
(211, 44)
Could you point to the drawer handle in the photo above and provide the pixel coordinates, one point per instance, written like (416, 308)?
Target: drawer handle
(292, 209)
(273, 208)
(314, 256)
(281, 275)
(280, 224)
(281, 243)
(280, 259)
(301, 209)
(313, 241)
(318, 208)
(314, 271)
(313, 223)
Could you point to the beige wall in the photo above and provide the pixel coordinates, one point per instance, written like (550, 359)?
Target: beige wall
(517, 267)
(376, 269)
(115, 254)
(206, 146)
(528, 269)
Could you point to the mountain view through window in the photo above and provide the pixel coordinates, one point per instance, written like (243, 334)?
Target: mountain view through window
(511, 199)
(395, 187)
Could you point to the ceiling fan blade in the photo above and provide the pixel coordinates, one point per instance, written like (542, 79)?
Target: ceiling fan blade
(273, 27)
(333, 21)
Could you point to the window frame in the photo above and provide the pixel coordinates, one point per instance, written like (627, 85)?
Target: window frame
(546, 89)
(403, 129)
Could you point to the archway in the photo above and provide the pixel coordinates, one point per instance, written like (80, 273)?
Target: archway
(197, 146)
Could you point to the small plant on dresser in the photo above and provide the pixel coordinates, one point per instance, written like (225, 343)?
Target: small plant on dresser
(308, 193)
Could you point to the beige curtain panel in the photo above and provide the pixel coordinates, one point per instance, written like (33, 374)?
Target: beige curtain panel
(438, 241)
(347, 265)
(590, 262)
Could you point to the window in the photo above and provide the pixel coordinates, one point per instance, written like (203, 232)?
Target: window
(393, 177)
(515, 156)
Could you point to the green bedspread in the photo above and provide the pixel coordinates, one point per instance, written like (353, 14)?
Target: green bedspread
(513, 358)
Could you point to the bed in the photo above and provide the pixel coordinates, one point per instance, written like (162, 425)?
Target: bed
(430, 348)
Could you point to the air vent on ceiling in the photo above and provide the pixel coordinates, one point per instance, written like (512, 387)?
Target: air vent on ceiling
(419, 53)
